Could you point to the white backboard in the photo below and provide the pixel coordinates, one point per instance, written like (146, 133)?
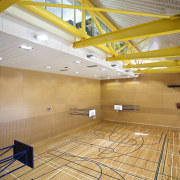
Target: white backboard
(92, 113)
(118, 107)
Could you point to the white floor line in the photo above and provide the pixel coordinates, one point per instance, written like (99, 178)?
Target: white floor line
(127, 171)
(125, 159)
(172, 157)
(60, 170)
(12, 175)
(67, 169)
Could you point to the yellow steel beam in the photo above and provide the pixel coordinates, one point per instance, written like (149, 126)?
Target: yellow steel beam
(101, 30)
(161, 53)
(61, 23)
(95, 9)
(150, 29)
(101, 16)
(141, 41)
(165, 70)
(168, 63)
(4, 4)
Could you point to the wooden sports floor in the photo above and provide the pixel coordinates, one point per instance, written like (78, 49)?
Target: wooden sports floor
(106, 151)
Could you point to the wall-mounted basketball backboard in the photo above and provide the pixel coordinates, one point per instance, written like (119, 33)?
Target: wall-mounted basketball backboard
(92, 113)
(118, 107)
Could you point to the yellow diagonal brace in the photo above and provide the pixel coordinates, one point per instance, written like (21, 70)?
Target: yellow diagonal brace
(83, 18)
(4, 4)
(122, 47)
(150, 29)
(130, 48)
(162, 53)
(165, 70)
(101, 30)
(95, 9)
(168, 63)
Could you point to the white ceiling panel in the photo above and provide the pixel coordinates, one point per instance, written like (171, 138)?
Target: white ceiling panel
(41, 56)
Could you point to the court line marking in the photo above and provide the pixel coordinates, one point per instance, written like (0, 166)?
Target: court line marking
(111, 166)
(79, 137)
(173, 144)
(110, 145)
(116, 141)
(172, 157)
(60, 170)
(67, 169)
(125, 126)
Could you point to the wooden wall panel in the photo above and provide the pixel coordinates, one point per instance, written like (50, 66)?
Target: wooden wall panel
(157, 102)
(26, 95)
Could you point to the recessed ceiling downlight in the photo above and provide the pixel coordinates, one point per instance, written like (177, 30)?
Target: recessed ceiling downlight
(114, 65)
(77, 62)
(42, 37)
(25, 47)
(76, 72)
(47, 67)
(0, 58)
(103, 69)
(91, 56)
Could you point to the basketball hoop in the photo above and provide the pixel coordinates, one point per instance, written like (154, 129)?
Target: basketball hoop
(94, 117)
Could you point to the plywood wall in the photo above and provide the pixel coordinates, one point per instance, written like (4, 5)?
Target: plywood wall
(26, 95)
(157, 102)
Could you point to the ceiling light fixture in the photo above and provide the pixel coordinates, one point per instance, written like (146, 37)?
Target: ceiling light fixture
(95, 75)
(118, 73)
(0, 58)
(25, 47)
(76, 72)
(47, 67)
(136, 75)
(118, 70)
(91, 56)
(103, 69)
(77, 62)
(114, 65)
(42, 37)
